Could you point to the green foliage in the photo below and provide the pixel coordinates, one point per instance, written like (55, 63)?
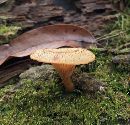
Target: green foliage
(45, 103)
(118, 33)
(7, 32)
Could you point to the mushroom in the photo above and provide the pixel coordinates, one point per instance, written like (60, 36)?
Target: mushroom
(64, 61)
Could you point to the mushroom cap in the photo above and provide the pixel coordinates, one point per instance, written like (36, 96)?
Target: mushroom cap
(71, 56)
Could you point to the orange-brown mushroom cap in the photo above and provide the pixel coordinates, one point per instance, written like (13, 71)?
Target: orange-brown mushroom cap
(71, 56)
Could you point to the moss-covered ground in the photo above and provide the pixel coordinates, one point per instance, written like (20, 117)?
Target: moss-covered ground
(8, 32)
(45, 103)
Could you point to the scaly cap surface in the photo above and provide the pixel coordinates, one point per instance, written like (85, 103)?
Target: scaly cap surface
(73, 56)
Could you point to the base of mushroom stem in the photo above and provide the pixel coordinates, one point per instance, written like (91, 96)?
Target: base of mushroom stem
(65, 72)
(69, 86)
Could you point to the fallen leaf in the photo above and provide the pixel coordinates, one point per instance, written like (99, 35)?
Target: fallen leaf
(4, 52)
(52, 36)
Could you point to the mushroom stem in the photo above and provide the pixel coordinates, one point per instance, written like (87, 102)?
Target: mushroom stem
(65, 71)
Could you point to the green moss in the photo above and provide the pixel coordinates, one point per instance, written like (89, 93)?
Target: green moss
(49, 105)
(45, 102)
(8, 32)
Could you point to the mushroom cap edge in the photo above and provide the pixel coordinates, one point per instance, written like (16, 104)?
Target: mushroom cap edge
(70, 56)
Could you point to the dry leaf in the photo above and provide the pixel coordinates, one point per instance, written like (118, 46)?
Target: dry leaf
(52, 36)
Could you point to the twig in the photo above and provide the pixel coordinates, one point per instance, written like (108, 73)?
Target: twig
(111, 35)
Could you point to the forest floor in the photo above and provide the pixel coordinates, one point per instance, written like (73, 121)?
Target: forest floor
(44, 102)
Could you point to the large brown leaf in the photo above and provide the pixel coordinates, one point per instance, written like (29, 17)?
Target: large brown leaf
(4, 52)
(52, 36)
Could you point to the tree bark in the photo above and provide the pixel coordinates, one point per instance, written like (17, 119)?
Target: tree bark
(91, 14)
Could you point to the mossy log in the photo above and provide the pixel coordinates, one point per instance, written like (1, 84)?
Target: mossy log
(91, 14)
